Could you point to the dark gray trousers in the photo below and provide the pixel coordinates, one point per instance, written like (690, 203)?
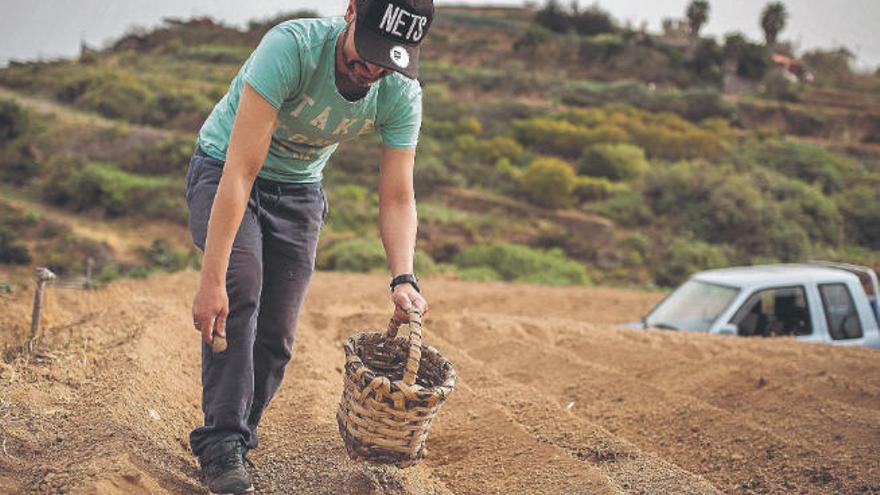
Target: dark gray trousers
(272, 260)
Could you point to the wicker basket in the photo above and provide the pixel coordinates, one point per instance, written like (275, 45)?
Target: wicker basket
(393, 387)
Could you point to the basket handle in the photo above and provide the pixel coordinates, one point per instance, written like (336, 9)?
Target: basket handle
(415, 343)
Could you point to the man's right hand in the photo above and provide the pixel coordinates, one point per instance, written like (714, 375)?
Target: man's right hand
(209, 311)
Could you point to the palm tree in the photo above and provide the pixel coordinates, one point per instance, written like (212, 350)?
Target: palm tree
(773, 21)
(697, 14)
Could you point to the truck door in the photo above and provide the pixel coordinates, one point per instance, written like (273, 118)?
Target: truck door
(841, 315)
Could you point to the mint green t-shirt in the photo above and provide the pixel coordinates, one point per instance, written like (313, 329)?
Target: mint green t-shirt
(294, 69)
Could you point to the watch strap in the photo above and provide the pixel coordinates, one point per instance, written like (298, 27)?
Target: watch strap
(406, 278)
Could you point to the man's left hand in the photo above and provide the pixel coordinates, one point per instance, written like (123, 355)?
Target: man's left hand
(405, 297)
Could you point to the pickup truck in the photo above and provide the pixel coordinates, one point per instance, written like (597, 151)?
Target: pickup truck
(833, 303)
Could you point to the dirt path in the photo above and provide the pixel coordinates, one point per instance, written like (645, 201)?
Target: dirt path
(550, 400)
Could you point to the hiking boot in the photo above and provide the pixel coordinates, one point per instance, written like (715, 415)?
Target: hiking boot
(226, 475)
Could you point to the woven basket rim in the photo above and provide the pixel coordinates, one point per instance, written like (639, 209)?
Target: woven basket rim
(354, 363)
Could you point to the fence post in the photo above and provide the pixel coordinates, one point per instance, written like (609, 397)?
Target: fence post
(90, 264)
(43, 275)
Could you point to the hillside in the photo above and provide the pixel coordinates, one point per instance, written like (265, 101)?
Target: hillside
(551, 399)
(613, 156)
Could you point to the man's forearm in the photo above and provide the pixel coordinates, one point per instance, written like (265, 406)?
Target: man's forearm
(397, 226)
(226, 214)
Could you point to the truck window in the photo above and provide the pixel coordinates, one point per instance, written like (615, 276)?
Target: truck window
(840, 312)
(777, 311)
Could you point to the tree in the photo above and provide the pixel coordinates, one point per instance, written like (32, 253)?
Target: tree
(773, 20)
(697, 14)
(553, 17)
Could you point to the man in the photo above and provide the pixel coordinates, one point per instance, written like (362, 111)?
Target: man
(256, 202)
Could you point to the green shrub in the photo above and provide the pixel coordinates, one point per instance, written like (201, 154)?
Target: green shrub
(613, 161)
(431, 173)
(176, 104)
(423, 264)
(523, 264)
(861, 208)
(628, 209)
(368, 255)
(807, 162)
(591, 21)
(549, 182)
(11, 250)
(479, 274)
(553, 17)
(15, 121)
(82, 186)
(760, 212)
(588, 189)
(18, 163)
(488, 151)
(162, 255)
(215, 54)
(752, 59)
(681, 257)
(703, 103)
(601, 48)
(116, 95)
(352, 208)
(357, 255)
(168, 156)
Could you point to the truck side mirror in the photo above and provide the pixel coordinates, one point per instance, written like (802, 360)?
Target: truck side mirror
(728, 329)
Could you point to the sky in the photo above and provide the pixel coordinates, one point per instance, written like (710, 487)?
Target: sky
(33, 29)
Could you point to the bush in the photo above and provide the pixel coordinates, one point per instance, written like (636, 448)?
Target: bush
(117, 96)
(14, 121)
(215, 54)
(600, 49)
(18, 164)
(597, 189)
(181, 105)
(628, 209)
(682, 257)
(357, 255)
(431, 173)
(85, 185)
(368, 255)
(161, 255)
(489, 151)
(549, 182)
(553, 17)
(168, 156)
(12, 251)
(760, 213)
(613, 161)
(702, 104)
(807, 162)
(752, 60)
(591, 21)
(523, 264)
(352, 208)
(861, 209)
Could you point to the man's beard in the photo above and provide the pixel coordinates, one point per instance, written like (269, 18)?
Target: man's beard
(352, 74)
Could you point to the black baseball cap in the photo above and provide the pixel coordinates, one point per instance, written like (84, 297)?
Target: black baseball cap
(388, 32)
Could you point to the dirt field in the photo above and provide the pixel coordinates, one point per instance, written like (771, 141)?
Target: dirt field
(550, 399)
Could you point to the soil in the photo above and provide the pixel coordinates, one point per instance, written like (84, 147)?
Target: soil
(551, 398)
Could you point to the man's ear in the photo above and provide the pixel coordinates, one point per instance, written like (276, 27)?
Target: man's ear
(350, 10)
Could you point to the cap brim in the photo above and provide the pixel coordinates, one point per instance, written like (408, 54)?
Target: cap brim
(376, 49)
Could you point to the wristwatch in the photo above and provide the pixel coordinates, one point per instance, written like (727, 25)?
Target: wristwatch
(406, 278)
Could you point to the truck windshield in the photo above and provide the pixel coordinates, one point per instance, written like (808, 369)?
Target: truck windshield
(692, 307)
